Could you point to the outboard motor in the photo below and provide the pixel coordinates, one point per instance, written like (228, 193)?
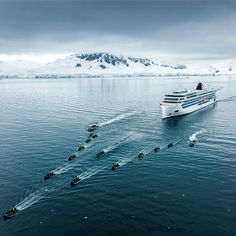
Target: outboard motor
(199, 86)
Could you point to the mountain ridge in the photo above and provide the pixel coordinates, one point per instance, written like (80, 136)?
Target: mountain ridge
(108, 64)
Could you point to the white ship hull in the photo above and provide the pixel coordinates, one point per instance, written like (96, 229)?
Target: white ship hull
(172, 110)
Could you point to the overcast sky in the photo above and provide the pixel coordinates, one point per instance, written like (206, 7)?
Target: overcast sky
(170, 29)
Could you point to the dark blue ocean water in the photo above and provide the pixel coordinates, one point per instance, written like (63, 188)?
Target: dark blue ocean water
(178, 191)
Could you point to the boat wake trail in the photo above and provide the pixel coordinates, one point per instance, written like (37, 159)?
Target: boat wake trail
(112, 147)
(89, 173)
(117, 118)
(195, 135)
(124, 161)
(36, 196)
(39, 194)
(30, 200)
(63, 169)
(229, 99)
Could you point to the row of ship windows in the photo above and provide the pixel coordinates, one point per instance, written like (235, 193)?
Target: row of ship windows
(175, 96)
(190, 95)
(198, 99)
(175, 100)
(196, 102)
(189, 103)
(186, 95)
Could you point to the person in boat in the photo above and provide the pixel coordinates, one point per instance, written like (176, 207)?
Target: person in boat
(94, 136)
(90, 134)
(10, 213)
(157, 149)
(72, 157)
(192, 142)
(81, 147)
(49, 175)
(88, 140)
(115, 166)
(75, 181)
(141, 154)
(94, 125)
(170, 145)
(100, 153)
(91, 129)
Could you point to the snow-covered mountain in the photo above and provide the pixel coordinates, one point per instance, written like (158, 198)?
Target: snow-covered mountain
(107, 64)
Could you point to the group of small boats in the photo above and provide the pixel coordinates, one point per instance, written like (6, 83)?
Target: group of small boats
(92, 135)
(142, 154)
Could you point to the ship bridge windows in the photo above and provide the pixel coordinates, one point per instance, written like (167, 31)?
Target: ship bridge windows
(174, 95)
(180, 92)
(190, 95)
(169, 101)
(173, 99)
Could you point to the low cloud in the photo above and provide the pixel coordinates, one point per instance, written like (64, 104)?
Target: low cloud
(167, 30)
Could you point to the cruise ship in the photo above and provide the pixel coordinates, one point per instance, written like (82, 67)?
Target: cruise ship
(184, 102)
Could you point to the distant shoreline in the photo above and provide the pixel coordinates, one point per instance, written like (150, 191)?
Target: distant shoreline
(89, 76)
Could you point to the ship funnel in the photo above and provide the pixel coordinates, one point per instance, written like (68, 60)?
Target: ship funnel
(199, 86)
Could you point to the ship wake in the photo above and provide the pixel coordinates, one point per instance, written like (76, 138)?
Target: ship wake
(198, 134)
(117, 118)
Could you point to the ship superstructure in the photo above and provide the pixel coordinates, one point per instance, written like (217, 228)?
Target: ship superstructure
(184, 102)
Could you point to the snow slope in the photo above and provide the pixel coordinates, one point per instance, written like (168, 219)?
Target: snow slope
(107, 64)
